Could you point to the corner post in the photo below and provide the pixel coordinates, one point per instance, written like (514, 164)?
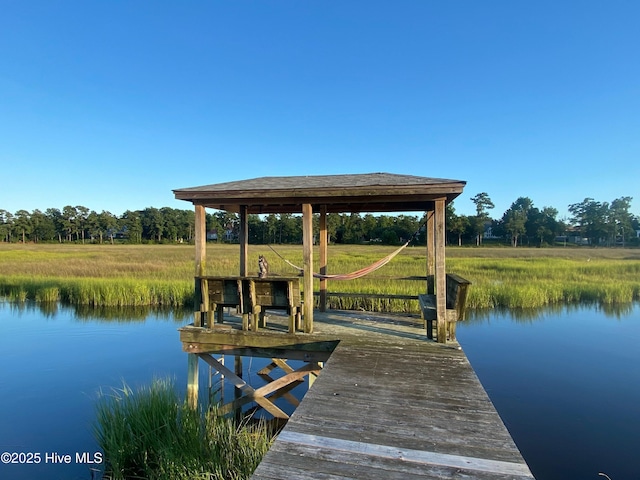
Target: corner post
(307, 282)
(324, 241)
(431, 246)
(440, 274)
(201, 260)
(244, 241)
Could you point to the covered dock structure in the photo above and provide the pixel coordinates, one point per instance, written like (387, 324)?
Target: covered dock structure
(390, 401)
(323, 194)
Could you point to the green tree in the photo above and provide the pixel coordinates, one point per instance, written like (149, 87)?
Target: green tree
(458, 225)
(544, 225)
(333, 223)
(55, 216)
(81, 220)
(620, 219)
(108, 223)
(6, 225)
(68, 220)
(186, 220)
(171, 222)
(43, 226)
(483, 203)
(153, 223)
(22, 224)
(514, 223)
(271, 228)
(93, 226)
(515, 218)
(591, 218)
(257, 229)
(132, 226)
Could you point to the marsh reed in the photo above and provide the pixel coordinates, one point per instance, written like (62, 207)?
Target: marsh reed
(151, 433)
(162, 275)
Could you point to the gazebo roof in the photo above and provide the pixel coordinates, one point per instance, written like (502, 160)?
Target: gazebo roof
(369, 192)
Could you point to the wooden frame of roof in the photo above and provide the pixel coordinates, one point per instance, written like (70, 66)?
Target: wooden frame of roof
(372, 192)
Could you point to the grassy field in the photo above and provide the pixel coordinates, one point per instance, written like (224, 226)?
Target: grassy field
(162, 275)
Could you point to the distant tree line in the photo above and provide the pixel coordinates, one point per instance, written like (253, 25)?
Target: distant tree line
(591, 222)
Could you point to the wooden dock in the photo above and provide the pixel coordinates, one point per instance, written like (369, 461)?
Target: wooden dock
(388, 404)
(391, 404)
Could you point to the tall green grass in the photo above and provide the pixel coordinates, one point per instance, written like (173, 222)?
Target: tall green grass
(162, 275)
(152, 434)
(98, 291)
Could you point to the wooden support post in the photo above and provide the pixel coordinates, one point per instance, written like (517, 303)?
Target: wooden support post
(244, 241)
(314, 376)
(200, 239)
(431, 246)
(192, 380)
(324, 241)
(440, 273)
(307, 248)
(201, 260)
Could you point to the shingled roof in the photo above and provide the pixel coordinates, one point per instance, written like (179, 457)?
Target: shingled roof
(369, 192)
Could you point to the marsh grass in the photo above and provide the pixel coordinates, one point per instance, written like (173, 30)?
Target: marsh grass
(152, 434)
(162, 275)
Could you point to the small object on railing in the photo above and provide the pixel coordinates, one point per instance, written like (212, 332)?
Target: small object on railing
(263, 267)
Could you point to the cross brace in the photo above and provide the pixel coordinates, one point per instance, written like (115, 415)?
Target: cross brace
(276, 388)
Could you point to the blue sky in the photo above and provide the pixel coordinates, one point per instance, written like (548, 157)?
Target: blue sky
(112, 104)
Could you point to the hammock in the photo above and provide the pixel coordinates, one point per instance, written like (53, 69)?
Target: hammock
(353, 275)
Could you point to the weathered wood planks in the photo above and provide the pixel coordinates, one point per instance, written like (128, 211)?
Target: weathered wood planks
(394, 409)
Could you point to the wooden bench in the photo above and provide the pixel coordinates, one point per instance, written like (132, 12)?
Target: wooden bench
(275, 294)
(251, 297)
(220, 292)
(457, 288)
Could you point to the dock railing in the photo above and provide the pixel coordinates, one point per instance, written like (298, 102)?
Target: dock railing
(252, 296)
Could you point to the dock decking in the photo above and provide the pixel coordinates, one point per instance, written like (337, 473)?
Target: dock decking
(389, 404)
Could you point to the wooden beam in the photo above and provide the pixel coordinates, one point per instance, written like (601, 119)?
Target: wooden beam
(201, 260)
(201, 240)
(284, 366)
(250, 393)
(307, 250)
(192, 336)
(244, 241)
(290, 354)
(440, 273)
(324, 241)
(431, 246)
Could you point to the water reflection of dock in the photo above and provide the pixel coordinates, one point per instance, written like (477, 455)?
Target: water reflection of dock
(387, 403)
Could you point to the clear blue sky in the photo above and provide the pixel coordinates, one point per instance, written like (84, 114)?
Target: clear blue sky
(112, 104)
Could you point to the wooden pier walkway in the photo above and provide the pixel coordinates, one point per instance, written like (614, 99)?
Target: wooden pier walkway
(389, 404)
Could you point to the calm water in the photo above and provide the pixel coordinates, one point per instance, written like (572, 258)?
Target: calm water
(566, 383)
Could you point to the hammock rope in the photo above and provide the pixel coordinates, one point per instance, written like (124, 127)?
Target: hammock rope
(348, 276)
(358, 273)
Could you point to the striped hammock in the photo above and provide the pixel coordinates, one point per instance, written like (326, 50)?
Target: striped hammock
(349, 276)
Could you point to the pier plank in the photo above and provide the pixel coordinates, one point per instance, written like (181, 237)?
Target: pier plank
(395, 407)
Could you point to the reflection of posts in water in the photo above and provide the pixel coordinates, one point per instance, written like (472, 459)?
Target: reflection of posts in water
(216, 385)
(192, 380)
(264, 396)
(237, 393)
